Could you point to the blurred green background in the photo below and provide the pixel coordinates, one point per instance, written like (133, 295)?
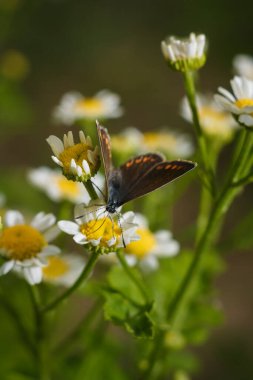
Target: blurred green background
(50, 47)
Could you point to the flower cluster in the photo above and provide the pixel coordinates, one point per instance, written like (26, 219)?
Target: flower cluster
(25, 247)
(185, 54)
(172, 144)
(215, 121)
(240, 103)
(79, 162)
(95, 227)
(74, 107)
(58, 187)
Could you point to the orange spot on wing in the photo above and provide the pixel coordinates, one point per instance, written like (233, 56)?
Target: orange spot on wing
(167, 167)
(130, 163)
(145, 159)
(138, 160)
(159, 167)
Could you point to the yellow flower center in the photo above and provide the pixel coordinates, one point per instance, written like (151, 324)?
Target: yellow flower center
(56, 267)
(162, 141)
(90, 105)
(142, 247)
(241, 103)
(22, 242)
(103, 228)
(211, 113)
(78, 152)
(67, 188)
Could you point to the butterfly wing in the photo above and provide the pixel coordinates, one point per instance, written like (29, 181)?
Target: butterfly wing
(105, 146)
(151, 179)
(132, 170)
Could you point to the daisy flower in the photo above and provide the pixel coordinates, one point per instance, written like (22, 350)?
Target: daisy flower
(24, 247)
(243, 65)
(185, 54)
(151, 246)
(64, 269)
(240, 102)
(74, 106)
(79, 162)
(58, 188)
(95, 227)
(213, 119)
(127, 142)
(170, 143)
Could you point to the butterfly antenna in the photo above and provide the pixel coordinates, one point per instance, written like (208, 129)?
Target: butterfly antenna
(120, 226)
(89, 212)
(101, 225)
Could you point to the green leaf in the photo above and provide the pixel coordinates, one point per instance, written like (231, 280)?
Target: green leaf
(124, 305)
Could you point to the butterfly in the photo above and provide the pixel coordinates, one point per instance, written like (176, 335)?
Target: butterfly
(138, 176)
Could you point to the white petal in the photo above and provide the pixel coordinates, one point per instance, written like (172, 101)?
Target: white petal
(51, 234)
(43, 221)
(86, 166)
(50, 250)
(56, 144)
(80, 238)
(57, 161)
(226, 94)
(149, 263)
(12, 218)
(131, 260)
(82, 137)
(7, 267)
(246, 120)
(33, 275)
(79, 171)
(70, 228)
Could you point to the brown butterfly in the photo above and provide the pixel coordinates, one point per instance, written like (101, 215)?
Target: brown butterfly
(138, 176)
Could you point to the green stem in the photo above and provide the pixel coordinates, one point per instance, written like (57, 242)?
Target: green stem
(90, 189)
(191, 96)
(42, 347)
(132, 276)
(218, 210)
(23, 333)
(81, 279)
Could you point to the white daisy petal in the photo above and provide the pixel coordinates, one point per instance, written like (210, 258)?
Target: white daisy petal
(33, 275)
(55, 144)
(43, 221)
(13, 218)
(70, 228)
(50, 250)
(57, 161)
(79, 238)
(7, 267)
(51, 233)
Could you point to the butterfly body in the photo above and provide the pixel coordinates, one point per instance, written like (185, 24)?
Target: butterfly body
(114, 191)
(138, 176)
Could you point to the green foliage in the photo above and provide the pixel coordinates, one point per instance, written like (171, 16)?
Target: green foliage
(124, 305)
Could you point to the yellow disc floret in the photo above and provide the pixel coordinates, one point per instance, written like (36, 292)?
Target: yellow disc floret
(142, 247)
(90, 106)
(78, 153)
(104, 229)
(56, 267)
(67, 187)
(241, 103)
(163, 141)
(21, 242)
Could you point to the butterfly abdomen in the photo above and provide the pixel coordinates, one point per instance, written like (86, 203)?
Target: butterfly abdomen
(114, 191)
